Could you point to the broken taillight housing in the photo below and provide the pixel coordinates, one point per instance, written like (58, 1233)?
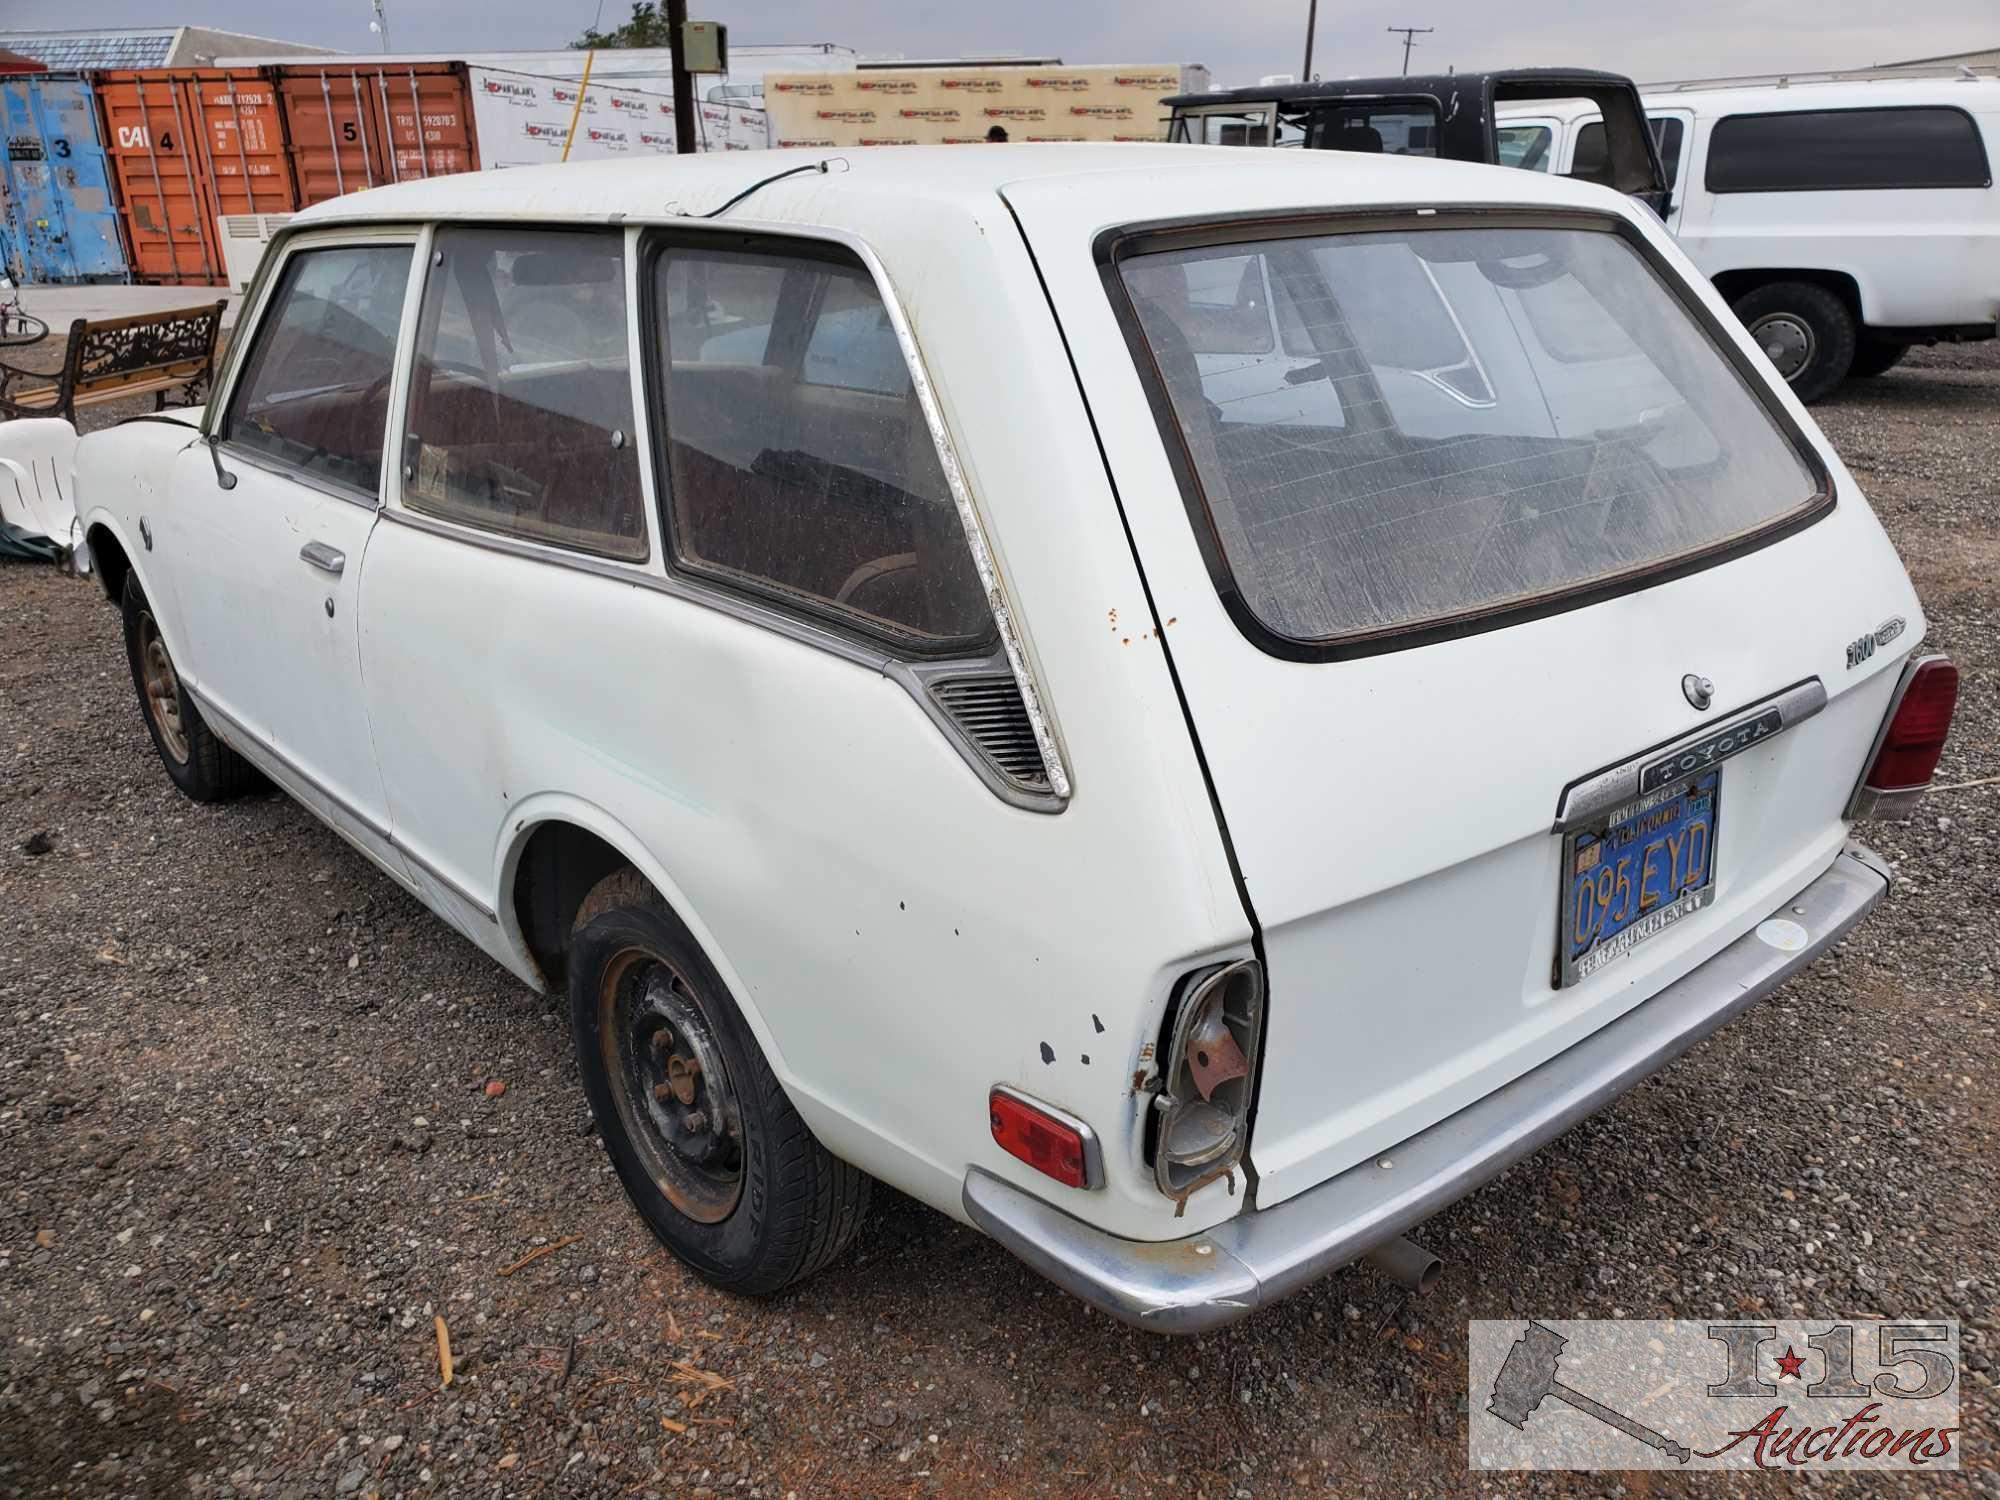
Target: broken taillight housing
(1906, 751)
(1207, 1077)
(1052, 1141)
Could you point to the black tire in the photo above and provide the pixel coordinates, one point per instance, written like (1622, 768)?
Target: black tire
(197, 762)
(1805, 331)
(795, 1206)
(1874, 356)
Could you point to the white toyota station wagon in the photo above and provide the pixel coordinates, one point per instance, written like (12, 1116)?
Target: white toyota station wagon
(1185, 707)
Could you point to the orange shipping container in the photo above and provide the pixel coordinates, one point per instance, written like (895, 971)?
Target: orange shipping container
(355, 126)
(189, 145)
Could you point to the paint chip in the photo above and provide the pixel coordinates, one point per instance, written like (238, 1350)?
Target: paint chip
(1097, 1023)
(1048, 1053)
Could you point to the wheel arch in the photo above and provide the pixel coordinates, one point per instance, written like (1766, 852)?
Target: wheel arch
(555, 849)
(1843, 284)
(110, 559)
(113, 559)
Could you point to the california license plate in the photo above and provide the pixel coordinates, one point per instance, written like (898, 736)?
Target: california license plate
(1637, 871)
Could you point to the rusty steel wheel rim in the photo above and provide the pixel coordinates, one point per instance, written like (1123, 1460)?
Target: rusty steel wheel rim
(163, 689)
(671, 1085)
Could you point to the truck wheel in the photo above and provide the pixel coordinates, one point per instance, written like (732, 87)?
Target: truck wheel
(196, 761)
(1873, 356)
(1804, 330)
(711, 1152)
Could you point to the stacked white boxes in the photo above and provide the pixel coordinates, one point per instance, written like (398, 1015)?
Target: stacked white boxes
(523, 120)
(907, 106)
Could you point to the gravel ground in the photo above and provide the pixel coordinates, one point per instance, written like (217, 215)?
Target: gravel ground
(251, 1146)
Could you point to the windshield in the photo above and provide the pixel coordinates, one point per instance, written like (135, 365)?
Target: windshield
(1396, 429)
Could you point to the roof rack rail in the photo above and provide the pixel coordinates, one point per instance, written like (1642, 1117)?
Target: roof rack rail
(1888, 72)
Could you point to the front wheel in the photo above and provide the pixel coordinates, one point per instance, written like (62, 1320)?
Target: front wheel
(711, 1152)
(1804, 330)
(196, 761)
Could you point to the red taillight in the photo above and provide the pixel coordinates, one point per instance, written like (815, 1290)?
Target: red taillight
(1915, 737)
(1051, 1145)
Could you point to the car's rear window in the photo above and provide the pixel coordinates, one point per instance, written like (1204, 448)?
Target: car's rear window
(1450, 422)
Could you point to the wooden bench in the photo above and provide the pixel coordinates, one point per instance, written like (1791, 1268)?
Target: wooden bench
(147, 354)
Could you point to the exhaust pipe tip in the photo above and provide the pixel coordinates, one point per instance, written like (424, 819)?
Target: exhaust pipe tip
(1406, 1263)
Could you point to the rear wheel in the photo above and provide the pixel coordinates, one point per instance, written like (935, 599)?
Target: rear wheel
(196, 761)
(1873, 356)
(1804, 330)
(709, 1149)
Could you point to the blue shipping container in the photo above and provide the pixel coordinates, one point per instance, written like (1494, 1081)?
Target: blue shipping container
(62, 223)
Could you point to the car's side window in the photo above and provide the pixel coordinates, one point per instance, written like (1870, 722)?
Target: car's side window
(314, 394)
(797, 462)
(521, 393)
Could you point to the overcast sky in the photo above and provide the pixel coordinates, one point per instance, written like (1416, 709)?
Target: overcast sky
(1240, 40)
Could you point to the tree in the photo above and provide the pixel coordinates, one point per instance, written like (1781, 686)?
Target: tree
(647, 28)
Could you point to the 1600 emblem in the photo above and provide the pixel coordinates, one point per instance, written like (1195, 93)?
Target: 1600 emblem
(1860, 650)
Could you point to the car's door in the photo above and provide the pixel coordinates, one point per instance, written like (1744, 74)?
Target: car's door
(269, 535)
(519, 450)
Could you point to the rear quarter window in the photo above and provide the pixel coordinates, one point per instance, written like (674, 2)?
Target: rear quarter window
(1454, 424)
(797, 461)
(1846, 149)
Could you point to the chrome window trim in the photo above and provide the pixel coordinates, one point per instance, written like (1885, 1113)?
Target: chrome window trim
(913, 677)
(1093, 1150)
(1594, 795)
(1012, 645)
(238, 737)
(396, 474)
(975, 533)
(249, 322)
(279, 469)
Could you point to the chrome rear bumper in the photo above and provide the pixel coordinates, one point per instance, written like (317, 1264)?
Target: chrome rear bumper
(1206, 1280)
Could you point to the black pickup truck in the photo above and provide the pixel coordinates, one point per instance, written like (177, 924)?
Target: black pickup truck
(1448, 114)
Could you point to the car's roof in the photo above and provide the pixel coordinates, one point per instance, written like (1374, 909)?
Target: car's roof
(1856, 93)
(1978, 95)
(870, 191)
(1406, 85)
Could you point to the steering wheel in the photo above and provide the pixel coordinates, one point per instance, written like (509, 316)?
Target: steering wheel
(870, 572)
(1547, 268)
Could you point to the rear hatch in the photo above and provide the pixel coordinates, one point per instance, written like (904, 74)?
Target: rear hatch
(1447, 517)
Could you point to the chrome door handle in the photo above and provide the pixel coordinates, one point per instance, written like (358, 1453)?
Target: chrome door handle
(326, 559)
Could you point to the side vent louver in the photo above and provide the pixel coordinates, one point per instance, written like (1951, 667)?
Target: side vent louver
(989, 712)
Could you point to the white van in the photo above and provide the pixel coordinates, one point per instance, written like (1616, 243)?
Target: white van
(1844, 221)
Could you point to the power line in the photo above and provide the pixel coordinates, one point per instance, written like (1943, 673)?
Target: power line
(1410, 35)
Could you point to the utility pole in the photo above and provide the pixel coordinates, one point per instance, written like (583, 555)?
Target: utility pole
(1312, 19)
(1410, 35)
(683, 81)
(381, 25)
